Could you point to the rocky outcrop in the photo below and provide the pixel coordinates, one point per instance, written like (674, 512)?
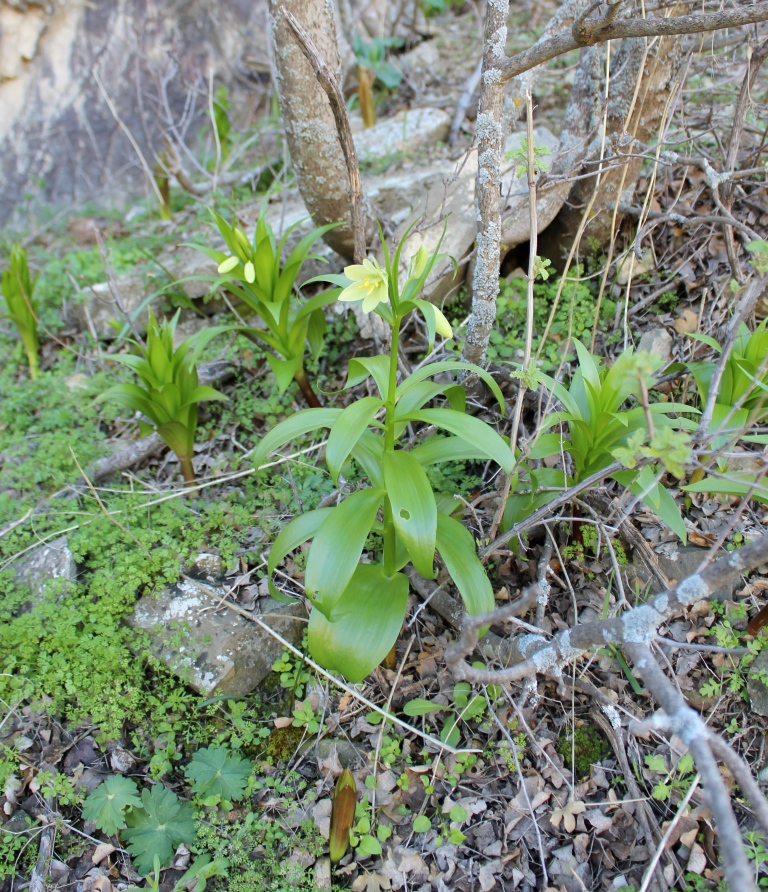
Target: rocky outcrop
(64, 62)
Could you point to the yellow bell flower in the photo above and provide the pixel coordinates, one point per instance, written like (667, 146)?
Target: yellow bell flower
(369, 284)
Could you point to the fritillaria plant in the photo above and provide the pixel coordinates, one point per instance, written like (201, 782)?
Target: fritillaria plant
(358, 608)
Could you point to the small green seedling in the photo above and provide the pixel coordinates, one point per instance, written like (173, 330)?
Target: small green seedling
(18, 287)
(254, 272)
(171, 391)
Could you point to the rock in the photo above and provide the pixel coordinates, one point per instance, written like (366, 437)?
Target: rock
(684, 563)
(456, 201)
(322, 874)
(47, 562)
(406, 131)
(348, 754)
(94, 309)
(658, 341)
(214, 652)
(207, 566)
(60, 61)
(421, 63)
(756, 687)
(453, 196)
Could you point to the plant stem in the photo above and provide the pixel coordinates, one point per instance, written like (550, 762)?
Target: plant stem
(33, 365)
(187, 470)
(306, 388)
(390, 542)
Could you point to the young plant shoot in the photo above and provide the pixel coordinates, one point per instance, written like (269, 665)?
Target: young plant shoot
(254, 273)
(358, 608)
(597, 431)
(18, 288)
(170, 391)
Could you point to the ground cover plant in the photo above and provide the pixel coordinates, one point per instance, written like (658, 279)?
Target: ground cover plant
(465, 699)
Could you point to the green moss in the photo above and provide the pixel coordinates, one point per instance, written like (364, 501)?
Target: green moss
(282, 743)
(574, 316)
(590, 747)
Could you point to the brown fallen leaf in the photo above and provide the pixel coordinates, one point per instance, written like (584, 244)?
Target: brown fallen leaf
(687, 322)
(371, 882)
(567, 814)
(703, 540)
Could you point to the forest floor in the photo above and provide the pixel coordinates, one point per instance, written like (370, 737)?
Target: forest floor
(544, 791)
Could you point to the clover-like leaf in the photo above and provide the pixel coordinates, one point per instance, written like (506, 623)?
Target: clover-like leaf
(214, 771)
(156, 829)
(107, 804)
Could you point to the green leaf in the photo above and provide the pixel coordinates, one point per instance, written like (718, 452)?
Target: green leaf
(706, 339)
(458, 813)
(371, 610)
(157, 828)
(438, 449)
(450, 365)
(362, 367)
(301, 528)
(421, 824)
(301, 423)
(457, 549)
(347, 430)
(420, 706)
(107, 804)
(215, 771)
(283, 370)
(337, 547)
(414, 512)
(470, 429)
(368, 845)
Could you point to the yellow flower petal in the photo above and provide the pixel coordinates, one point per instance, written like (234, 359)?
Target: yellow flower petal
(442, 326)
(250, 273)
(226, 266)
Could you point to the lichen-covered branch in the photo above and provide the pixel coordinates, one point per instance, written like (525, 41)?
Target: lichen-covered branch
(634, 631)
(636, 626)
(680, 719)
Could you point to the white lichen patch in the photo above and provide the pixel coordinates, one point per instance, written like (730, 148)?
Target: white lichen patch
(498, 42)
(180, 607)
(487, 127)
(492, 76)
(692, 589)
(640, 624)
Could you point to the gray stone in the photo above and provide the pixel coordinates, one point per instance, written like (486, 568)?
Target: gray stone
(216, 651)
(322, 874)
(658, 341)
(683, 563)
(452, 195)
(46, 563)
(349, 755)
(207, 566)
(756, 688)
(408, 130)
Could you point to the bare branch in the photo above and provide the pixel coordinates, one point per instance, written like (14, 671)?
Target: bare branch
(587, 32)
(638, 625)
(689, 726)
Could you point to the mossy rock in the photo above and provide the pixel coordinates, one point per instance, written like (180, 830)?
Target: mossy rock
(282, 743)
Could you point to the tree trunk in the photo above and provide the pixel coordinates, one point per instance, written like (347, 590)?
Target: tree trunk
(310, 128)
(642, 87)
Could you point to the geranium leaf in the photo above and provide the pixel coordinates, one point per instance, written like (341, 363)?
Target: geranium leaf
(214, 771)
(156, 829)
(107, 804)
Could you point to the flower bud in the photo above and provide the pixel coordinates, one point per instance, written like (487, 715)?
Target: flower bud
(342, 815)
